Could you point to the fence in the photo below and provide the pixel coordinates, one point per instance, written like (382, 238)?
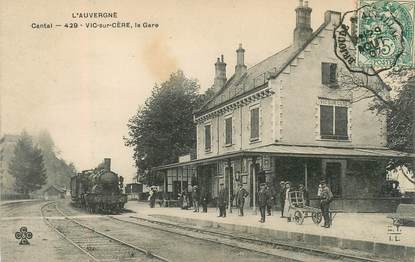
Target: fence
(14, 196)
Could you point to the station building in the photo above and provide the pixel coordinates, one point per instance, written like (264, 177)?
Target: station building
(54, 192)
(288, 118)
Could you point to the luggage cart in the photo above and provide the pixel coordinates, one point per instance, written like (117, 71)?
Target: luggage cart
(299, 211)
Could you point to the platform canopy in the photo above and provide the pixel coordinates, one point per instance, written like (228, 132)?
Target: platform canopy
(304, 151)
(332, 152)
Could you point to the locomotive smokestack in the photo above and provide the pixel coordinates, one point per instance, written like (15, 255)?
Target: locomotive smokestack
(107, 164)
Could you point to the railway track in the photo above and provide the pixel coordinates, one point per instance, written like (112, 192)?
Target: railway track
(98, 246)
(241, 241)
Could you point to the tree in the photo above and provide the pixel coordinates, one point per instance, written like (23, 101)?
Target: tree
(398, 107)
(393, 96)
(58, 171)
(163, 128)
(401, 127)
(400, 113)
(27, 166)
(382, 89)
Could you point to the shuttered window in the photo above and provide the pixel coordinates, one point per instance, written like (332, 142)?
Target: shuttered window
(334, 122)
(326, 120)
(328, 73)
(341, 122)
(254, 123)
(208, 138)
(228, 131)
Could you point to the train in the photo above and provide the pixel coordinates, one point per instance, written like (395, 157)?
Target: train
(98, 190)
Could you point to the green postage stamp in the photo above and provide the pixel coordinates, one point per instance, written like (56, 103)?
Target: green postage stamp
(385, 33)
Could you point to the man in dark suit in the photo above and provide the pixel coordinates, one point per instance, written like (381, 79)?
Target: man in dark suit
(263, 198)
(153, 195)
(270, 200)
(240, 199)
(326, 198)
(195, 197)
(302, 189)
(282, 197)
(204, 199)
(222, 200)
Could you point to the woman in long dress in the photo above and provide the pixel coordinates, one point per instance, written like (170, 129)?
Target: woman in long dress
(287, 203)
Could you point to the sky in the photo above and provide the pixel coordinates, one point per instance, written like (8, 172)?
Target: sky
(84, 84)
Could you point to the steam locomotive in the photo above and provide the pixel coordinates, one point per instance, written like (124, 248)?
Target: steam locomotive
(98, 190)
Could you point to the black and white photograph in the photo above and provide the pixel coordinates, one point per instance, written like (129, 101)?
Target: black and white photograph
(191, 131)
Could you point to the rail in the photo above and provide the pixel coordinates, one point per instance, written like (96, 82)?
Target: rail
(274, 244)
(84, 250)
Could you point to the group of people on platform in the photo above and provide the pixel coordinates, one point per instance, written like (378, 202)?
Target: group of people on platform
(265, 200)
(192, 197)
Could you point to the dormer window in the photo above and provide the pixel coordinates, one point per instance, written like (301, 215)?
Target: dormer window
(329, 74)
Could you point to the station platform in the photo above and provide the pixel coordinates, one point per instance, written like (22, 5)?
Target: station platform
(370, 233)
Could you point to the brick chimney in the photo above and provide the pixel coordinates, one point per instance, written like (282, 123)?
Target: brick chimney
(240, 67)
(302, 31)
(107, 164)
(220, 74)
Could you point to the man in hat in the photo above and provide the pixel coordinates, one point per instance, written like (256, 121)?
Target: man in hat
(195, 197)
(222, 200)
(282, 197)
(302, 189)
(204, 199)
(240, 198)
(152, 197)
(263, 198)
(287, 202)
(326, 198)
(189, 195)
(270, 200)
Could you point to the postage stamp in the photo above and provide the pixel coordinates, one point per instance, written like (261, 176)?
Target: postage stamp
(385, 33)
(377, 36)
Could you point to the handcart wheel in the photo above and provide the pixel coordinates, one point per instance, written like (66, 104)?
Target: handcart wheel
(316, 217)
(298, 217)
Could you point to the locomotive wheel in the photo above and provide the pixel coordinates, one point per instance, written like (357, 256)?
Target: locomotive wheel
(316, 217)
(298, 217)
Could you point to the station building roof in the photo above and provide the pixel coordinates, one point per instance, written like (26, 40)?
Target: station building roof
(304, 151)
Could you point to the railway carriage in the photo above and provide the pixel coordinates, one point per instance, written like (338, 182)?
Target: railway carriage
(98, 190)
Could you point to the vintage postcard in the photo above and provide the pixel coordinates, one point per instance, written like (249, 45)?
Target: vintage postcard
(200, 130)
